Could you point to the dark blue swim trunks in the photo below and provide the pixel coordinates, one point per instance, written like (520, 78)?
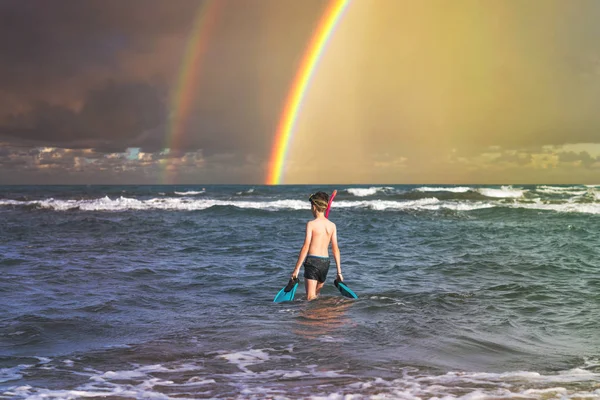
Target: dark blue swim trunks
(316, 268)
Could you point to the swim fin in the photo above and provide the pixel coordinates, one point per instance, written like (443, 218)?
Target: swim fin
(344, 290)
(288, 292)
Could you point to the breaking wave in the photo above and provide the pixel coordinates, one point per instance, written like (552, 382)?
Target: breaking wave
(459, 189)
(190, 193)
(364, 192)
(194, 204)
(503, 192)
(259, 373)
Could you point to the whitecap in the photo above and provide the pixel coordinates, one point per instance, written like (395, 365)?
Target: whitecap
(364, 192)
(12, 374)
(572, 190)
(503, 192)
(190, 193)
(569, 207)
(245, 358)
(169, 203)
(458, 189)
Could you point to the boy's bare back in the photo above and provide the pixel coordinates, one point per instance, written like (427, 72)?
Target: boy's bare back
(322, 232)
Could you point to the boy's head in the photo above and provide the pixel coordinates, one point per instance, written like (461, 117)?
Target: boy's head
(319, 200)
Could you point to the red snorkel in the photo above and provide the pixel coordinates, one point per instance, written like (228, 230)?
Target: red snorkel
(329, 204)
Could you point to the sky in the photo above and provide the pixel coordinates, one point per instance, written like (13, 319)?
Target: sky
(192, 92)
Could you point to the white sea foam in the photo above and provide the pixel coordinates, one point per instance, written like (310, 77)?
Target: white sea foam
(381, 205)
(245, 358)
(136, 383)
(429, 204)
(409, 383)
(167, 203)
(120, 375)
(569, 207)
(458, 206)
(591, 362)
(12, 374)
(503, 192)
(364, 192)
(458, 189)
(571, 190)
(455, 385)
(424, 204)
(190, 193)
(249, 191)
(196, 381)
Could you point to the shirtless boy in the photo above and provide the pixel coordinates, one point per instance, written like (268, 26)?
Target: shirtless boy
(314, 254)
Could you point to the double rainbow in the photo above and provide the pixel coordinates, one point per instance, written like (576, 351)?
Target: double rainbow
(285, 128)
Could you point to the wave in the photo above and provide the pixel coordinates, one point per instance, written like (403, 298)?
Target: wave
(566, 190)
(248, 192)
(168, 203)
(259, 373)
(190, 193)
(458, 189)
(568, 207)
(364, 192)
(503, 192)
(429, 203)
(590, 206)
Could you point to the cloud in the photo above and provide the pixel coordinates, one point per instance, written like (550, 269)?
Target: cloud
(56, 165)
(44, 42)
(111, 119)
(583, 158)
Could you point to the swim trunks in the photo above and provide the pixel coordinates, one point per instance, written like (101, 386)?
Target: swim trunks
(316, 268)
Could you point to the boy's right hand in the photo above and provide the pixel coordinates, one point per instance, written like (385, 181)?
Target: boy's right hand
(341, 278)
(290, 284)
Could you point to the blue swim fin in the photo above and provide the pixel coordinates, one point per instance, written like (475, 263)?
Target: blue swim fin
(288, 292)
(345, 290)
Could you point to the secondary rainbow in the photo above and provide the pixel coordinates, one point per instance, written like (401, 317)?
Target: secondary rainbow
(287, 122)
(186, 87)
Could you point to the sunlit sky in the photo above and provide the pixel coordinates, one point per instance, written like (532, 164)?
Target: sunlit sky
(428, 91)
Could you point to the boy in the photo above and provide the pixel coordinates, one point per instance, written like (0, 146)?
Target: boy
(315, 251)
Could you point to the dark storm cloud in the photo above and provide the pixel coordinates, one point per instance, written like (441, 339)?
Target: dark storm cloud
(63, 70)
(11, 164)
(110, 119)
(42, 41)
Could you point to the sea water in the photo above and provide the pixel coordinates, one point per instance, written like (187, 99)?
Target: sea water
(166, 292)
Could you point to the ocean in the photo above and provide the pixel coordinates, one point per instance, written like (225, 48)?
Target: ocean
(166, 292)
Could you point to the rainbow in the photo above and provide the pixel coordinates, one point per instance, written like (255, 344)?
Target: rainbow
(285, 128)
(187, 82)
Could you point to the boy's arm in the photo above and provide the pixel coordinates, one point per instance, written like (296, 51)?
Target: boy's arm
(303, 251)
(336, 252)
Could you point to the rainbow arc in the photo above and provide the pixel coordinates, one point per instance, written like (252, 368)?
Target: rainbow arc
(299, 88)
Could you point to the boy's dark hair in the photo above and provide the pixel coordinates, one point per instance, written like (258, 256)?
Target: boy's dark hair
(319, 200)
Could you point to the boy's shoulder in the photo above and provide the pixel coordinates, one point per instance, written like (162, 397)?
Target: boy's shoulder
(320, 222)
